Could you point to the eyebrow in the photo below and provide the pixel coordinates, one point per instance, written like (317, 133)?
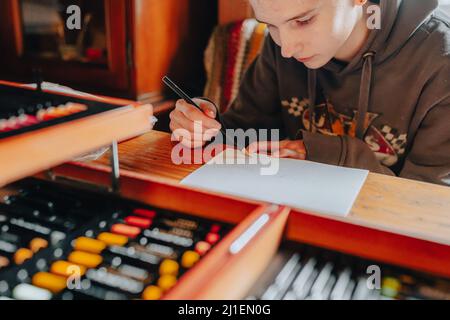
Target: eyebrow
(302, 15)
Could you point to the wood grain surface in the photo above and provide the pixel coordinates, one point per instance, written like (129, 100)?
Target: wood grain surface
(393, 204)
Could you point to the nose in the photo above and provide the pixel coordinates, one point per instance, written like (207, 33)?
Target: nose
(289, 45)
(286, 51)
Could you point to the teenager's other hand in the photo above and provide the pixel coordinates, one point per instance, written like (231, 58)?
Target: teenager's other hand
(293, 149)
(192, 127)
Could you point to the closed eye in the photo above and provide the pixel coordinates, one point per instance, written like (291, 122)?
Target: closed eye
(305, 21)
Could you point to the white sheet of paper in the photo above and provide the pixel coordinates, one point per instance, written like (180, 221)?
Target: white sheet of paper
(303, 185)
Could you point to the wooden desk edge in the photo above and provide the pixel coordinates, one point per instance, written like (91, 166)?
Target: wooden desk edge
(154, 149)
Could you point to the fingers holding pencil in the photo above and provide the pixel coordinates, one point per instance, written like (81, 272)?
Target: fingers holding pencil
(194, 127)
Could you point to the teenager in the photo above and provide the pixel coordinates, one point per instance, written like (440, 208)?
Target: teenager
(344, 93)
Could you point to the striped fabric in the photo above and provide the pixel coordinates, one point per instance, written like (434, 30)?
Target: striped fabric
(231, 50)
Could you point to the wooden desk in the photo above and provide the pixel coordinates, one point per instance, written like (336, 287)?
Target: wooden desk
(403, 206)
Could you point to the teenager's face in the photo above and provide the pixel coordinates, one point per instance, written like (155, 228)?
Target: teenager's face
(311, 31)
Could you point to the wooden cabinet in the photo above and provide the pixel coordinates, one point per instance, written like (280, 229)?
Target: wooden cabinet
(234, 10)
(123, 48)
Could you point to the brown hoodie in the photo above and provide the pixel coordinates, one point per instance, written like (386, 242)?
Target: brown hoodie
(388, 110)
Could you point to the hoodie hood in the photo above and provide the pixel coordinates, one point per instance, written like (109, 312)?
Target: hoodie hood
(402, 18)
(386, 111)
(399, 21)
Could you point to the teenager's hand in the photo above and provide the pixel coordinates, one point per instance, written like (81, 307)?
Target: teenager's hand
(294, 149)
(185, 118)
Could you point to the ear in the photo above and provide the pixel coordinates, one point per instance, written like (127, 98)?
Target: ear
(360, 2)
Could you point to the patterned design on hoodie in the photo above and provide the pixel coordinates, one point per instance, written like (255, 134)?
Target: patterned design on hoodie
(386, 143)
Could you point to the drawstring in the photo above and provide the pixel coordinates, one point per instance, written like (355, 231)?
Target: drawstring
(364, 93)
(312, 82)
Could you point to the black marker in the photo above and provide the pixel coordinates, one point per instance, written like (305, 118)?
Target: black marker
(175, 88)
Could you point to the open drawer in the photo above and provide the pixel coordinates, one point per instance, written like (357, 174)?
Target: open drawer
(243, 237)
(42, 129)
(370, 242)
(339, 259)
